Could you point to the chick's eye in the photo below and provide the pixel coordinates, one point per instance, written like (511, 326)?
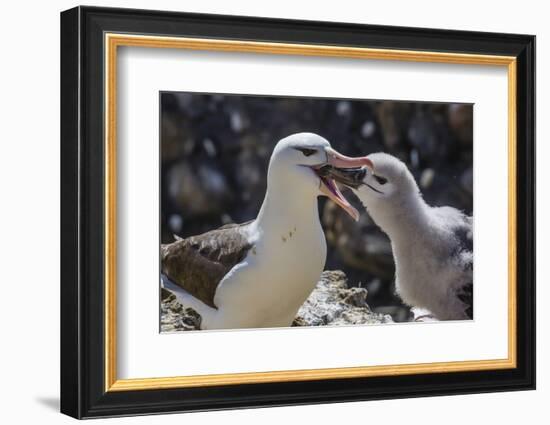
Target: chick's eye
(380, 180)
(307, 152)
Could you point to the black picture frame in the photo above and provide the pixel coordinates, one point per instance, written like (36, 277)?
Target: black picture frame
(83, 392)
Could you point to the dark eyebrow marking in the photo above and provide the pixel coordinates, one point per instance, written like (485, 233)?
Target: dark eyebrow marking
(307, 151)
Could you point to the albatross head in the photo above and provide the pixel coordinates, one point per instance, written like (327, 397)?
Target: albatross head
(389, 179)
(386, 190)
(298, 165)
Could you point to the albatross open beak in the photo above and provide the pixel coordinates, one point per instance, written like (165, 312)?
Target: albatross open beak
(328, 185)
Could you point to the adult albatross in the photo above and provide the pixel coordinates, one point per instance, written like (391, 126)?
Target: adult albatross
(432, 246)
(259, 273)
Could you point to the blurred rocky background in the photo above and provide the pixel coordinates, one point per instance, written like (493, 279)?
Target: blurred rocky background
(215, 150)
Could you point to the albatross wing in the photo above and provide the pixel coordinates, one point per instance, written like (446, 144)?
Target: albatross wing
(466, 295)
(199, 263)
(464, 255)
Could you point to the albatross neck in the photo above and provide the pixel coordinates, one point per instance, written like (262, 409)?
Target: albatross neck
(406, 216)
(282, 209)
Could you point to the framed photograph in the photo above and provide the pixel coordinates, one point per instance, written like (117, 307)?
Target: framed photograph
(261, 212)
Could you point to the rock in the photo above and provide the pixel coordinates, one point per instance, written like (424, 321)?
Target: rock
(393, 118)
(429, 137)
(368, 129)
(174, 318)
(467, 181)
(397, 313)
(461, 122)
(343, 108)
(165, 294)
(333, 302)
(427, 178)
(198, 189)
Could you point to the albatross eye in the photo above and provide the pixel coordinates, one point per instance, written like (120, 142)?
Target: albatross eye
(307, 152)
(380, 180)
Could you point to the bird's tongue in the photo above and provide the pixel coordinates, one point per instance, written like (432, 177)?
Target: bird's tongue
(329, 188)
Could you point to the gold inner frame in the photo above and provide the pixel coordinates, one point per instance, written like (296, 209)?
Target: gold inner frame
(113, 41)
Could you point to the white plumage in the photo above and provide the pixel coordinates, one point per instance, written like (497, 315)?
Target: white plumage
(283, 249)
(432, 246)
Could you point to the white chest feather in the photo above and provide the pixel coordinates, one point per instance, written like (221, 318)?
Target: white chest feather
(273, 281)
(429, 279)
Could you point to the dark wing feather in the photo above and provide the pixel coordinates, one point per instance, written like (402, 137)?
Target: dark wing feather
(466, 295)
(464, 235)
(199, 263)
(462, 230)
